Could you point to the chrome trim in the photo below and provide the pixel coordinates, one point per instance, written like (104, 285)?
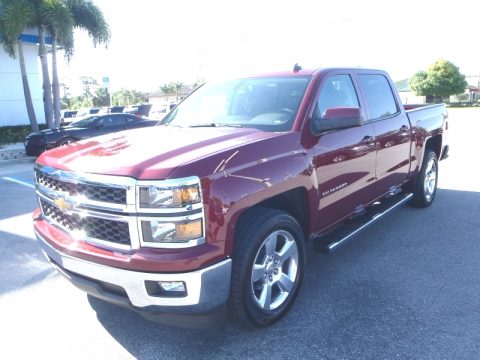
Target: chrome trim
(83, 206)
(121, 182)
(176, 245)
(132, 227)
(206, 288)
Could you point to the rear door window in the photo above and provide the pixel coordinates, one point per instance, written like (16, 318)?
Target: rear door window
(379, 96)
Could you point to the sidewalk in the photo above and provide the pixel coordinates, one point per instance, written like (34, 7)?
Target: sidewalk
(12, 151)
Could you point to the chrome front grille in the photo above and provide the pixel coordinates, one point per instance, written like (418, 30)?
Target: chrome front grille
(94, 192)
(96, 228)
(104, 210)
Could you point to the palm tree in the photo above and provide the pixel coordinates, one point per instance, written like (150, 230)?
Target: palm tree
(86, 16)
(178, 87)
(16, 15)
(59, 23)
(60, 18)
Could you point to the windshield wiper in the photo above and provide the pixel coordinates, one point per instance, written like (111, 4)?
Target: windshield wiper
(212, 124)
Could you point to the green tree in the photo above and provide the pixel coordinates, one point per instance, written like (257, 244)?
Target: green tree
(177, 86)
(128, 97)
(167, 89)
(101, 97)
(15, 16)
(90, 86)
(442, 79)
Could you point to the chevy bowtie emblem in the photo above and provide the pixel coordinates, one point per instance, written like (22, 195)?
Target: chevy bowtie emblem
(63, 204)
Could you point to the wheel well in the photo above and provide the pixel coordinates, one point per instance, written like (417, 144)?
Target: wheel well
(435, 144)
(294, 202)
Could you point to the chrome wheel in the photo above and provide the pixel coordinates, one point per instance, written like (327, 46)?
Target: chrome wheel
(430, 181)
(274, 270)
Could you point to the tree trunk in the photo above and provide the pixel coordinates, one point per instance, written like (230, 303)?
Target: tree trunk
(26, 90)
(47, 86)
(55, 84)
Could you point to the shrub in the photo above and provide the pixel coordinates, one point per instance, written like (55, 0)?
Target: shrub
(14, 134)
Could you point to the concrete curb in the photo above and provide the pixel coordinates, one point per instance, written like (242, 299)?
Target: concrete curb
(14, 151)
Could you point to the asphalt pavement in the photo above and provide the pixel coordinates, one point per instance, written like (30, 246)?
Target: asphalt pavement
(405, 288)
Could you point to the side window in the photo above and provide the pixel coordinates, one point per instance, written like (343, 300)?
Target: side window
(337, 92)
(379, 96)
(113, 120)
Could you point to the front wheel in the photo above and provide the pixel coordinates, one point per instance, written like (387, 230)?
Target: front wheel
(425, 186)
(65, 141)
(268, 265)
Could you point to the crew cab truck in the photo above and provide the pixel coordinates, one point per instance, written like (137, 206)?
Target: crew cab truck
(215, 205)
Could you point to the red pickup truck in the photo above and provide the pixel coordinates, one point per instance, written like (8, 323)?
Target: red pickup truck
(215, 205)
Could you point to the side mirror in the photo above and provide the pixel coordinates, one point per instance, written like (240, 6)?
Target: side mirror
(335, 119)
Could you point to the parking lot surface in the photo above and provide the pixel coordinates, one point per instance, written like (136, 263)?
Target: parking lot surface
(408, 287)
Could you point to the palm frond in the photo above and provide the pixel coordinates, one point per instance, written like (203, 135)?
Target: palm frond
(89, 17)
(15, 16)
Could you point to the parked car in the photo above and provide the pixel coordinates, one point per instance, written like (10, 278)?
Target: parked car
(87, 127)
(216, 206)
(158, 112)
(141, 110)
(68, 116)
(116, 109)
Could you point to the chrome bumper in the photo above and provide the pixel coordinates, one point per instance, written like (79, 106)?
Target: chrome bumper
(207, 288)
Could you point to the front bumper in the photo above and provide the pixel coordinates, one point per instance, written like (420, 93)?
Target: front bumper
(206, 289)
(33, 149)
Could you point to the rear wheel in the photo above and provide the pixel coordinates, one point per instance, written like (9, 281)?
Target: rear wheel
(268, 266)
(425, 186)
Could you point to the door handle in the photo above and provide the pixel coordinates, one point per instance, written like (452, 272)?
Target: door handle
(367, 140)
(404, 129)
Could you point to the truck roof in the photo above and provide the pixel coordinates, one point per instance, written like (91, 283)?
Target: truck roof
(308, 72)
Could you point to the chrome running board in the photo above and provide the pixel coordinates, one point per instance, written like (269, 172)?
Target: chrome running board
(332, 241)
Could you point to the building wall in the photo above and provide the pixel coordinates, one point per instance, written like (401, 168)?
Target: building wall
(408, 97)
(12, 101)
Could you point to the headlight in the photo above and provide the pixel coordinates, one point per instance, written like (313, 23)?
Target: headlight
(154, 196)
(179, 216)
(161, 232)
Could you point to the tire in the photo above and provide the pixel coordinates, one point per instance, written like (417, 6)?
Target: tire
(425, 185)
(260, 270)
(65, 141)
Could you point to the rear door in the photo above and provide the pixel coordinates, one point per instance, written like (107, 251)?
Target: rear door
(344, 159)
(391, 128)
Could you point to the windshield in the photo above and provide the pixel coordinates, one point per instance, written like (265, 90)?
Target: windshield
(267, 104)
(85, 122)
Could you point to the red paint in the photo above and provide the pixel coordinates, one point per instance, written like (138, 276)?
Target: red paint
(239, 168)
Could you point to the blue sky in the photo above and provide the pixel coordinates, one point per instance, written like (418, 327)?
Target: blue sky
(154, 42)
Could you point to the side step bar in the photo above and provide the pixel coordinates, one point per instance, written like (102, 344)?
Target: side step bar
(332, 241)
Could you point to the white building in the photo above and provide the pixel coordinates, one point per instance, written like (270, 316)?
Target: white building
(13, 110)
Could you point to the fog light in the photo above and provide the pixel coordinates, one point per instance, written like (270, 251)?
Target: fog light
(166, 288)
(174, 286)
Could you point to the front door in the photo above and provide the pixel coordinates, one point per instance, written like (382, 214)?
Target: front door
(344, 159)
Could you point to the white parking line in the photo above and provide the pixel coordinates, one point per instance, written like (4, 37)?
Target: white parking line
(24, 183)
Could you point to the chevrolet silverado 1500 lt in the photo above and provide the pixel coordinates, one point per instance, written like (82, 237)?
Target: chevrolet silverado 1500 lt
(215, 205)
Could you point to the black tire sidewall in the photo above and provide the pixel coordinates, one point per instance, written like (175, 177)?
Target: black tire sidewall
(278, 221)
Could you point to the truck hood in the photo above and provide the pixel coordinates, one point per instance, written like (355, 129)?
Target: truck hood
(147, 153)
